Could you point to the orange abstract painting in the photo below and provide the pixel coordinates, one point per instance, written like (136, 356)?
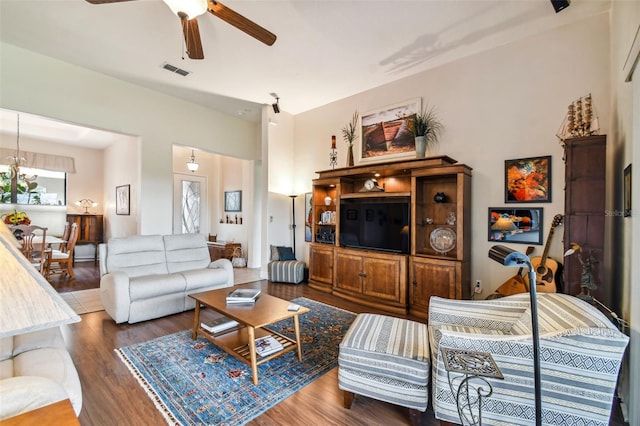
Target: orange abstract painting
(528, 180)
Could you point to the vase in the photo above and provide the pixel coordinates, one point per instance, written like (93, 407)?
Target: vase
(350, 156)
(421, 146)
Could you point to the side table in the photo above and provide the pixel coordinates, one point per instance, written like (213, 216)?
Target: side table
(466, 372)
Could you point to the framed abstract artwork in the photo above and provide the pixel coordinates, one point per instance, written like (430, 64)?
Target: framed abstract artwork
(528, 180)
(122, 200)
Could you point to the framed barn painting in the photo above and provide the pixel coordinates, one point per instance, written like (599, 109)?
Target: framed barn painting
(386, 132)
(528, 180)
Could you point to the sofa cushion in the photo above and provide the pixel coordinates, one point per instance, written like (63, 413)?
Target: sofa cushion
(186, 252)
(201, 278)
(6, 348)
(560, 312)
(49, 338)
(137, 256)
(27, 393)
(275, 254)
(6, 369)
(155, 285)
(54, 364)
(286, 253)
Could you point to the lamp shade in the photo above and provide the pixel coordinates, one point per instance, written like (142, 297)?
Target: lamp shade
(27, 301)
(504, 224)
(191, 164)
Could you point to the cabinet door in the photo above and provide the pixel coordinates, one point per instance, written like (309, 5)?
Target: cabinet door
(430, 278)
(382, 278)
(349, 272)
(321, 264)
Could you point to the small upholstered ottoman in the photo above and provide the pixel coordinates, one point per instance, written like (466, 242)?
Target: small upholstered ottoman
(286, 271)
(386, 358)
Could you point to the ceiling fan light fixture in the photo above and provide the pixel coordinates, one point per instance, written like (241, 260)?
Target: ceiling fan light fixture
(191, 164)
(192, 8)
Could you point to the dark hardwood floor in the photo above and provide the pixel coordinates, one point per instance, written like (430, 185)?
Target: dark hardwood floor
(112, 396)
(87, 276)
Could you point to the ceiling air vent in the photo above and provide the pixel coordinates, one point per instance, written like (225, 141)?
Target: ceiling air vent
(175, 69)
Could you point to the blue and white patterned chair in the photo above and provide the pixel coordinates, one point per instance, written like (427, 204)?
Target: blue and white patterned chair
(387, 359)
(580, 356)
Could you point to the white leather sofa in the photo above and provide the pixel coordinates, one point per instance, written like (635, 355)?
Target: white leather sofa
(36, 370)
(150, 276)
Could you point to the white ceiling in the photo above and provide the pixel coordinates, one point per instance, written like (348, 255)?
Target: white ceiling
(325, 51)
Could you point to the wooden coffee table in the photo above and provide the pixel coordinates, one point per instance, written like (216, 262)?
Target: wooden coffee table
(253, 318)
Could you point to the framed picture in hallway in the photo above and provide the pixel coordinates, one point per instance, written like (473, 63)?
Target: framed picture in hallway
(232, 201)
(122, 200)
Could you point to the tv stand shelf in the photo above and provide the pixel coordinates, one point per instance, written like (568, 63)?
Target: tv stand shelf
(382, 278)
(379, 194)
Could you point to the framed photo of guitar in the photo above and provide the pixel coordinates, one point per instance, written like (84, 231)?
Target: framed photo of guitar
(521, 226)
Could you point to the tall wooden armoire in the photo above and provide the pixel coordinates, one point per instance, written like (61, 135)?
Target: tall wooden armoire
(585, 213)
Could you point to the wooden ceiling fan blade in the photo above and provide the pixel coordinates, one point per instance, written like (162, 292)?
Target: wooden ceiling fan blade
(241, 23)
(192, 37)
(105, 1)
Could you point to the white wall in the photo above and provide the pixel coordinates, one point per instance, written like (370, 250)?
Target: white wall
(41, 85)
(502, 104)
(122, 167)
(624, 240)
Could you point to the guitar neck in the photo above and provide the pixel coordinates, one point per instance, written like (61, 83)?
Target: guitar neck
(545, 252)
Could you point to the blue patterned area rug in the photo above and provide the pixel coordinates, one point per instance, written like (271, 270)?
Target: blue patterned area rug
(195, 382)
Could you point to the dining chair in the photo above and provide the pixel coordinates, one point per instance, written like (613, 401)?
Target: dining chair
(65, 236)
(34, 252)
(61, 261)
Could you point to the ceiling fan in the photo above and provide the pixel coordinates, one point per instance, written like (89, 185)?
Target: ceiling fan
(189, 10)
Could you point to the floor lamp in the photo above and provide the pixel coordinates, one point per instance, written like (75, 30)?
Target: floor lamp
(293, 221)
(507, 257)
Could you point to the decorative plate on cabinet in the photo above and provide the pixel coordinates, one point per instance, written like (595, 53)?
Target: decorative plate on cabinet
(442, 240)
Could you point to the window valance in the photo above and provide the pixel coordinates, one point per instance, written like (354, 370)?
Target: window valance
(37, 160)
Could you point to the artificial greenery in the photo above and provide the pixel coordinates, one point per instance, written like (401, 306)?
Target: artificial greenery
(22, 187)
(349, 131)
(427, 124)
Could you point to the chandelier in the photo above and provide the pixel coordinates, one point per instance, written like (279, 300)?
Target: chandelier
(16, 161)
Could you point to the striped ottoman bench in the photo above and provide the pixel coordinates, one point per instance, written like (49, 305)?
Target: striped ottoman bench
(387, 359)
(286, 271)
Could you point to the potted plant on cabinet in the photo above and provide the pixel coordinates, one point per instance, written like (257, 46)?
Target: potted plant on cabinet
(426, 129)
(349, 134)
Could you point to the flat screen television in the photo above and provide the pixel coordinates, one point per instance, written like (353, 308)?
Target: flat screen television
(378, 223)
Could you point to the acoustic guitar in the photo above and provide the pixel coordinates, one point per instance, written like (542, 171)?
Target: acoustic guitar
(544, 266)
(515, 284)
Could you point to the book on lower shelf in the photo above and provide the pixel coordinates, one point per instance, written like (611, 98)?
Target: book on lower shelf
(219, 325)
(243, 295)
(267, 345)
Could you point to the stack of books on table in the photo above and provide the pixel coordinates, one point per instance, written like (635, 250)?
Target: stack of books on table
(243, 295)
(267, 345)
(219, 325)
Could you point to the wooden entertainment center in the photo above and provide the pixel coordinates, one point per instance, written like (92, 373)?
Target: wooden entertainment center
(435, 263)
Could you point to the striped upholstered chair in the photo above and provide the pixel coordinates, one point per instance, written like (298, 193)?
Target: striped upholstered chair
(580, 356)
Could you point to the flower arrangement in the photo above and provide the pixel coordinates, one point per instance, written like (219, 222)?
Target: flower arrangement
(16, 218)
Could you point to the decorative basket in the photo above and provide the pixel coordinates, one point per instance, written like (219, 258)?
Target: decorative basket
(237, 259)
